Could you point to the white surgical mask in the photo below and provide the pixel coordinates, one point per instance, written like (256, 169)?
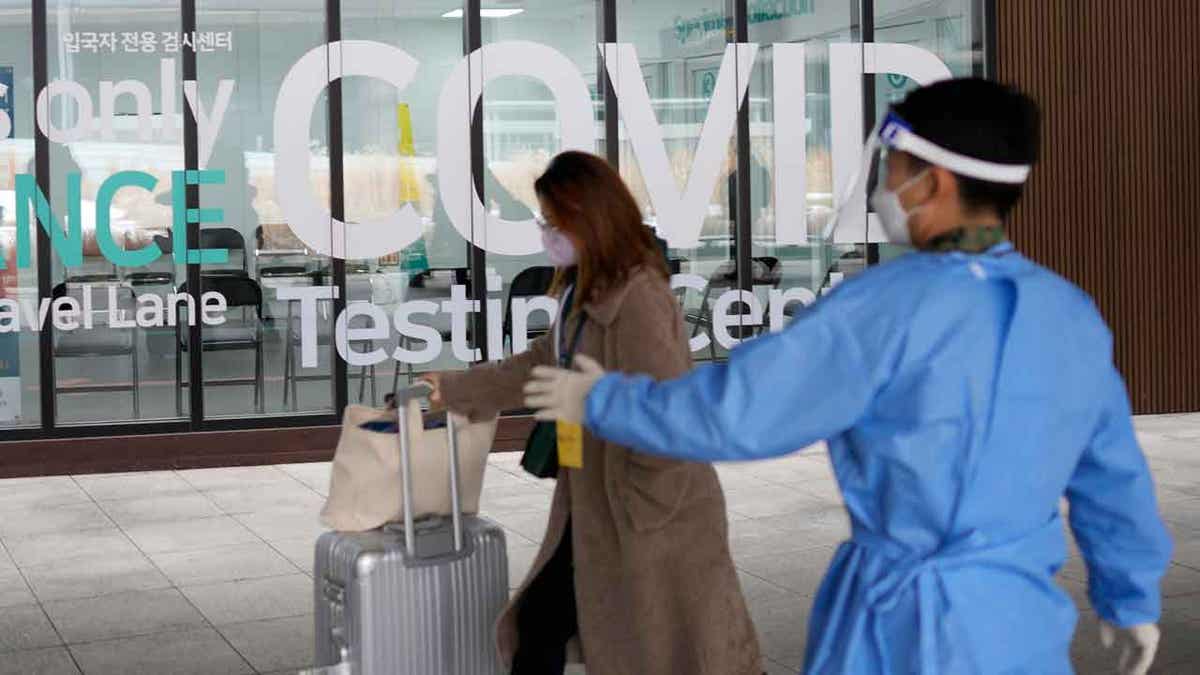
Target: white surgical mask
(893, 217)
(560, 250)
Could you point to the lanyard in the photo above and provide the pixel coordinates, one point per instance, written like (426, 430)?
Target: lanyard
(566, 353)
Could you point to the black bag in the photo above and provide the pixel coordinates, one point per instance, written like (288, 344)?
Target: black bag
(541, 448)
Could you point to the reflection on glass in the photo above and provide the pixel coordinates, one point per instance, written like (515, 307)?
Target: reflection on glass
(949, 28)
(806, 269)
(124, 116)
(19, 361)
(680, 46)
(253, 358)
(397, 323)
(521, 133)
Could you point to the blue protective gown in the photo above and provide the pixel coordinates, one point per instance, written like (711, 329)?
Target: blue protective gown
(962, 396)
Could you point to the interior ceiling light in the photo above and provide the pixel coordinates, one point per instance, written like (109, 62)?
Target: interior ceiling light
(485, 13)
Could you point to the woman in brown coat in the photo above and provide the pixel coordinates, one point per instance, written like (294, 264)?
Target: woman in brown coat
(635, 560)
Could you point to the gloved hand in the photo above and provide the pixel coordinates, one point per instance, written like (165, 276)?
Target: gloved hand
(1136, 646)
(558, 394)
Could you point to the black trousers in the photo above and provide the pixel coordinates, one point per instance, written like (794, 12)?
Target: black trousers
(546, 618)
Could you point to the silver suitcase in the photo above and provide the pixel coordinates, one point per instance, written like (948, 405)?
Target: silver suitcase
(417, 598)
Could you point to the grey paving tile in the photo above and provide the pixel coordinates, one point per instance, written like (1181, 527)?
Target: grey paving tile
(190, 535)
(254, 599)
(300, 552)
(1182, 608)
(270, 497)
(798, 571)
(1180, 642)
(25, 522)
(531, 525)
(1078, 592)
(1184, 512)
(49, 661)
(129, 513)
(1087, 654)
(776, 668)
(315, 475)
(773, 500)
(782, 626)
(495, 477)
(93, 576)
(141, 485)
(520, 560)
(59, 547)
(6, 561)
(756, 590)
(1187, 552)
(274, 644)
(751, 537)
(122, 615)
(234, 477)
(514, 499)
(13, 589)
(26, 627)
(1185, 668)
(283, 524)
(738, 477)
(1181, 580)
(36, 493)
(198, 651)
(227, 563)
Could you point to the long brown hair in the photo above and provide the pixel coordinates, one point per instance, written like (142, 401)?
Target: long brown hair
(589, 201)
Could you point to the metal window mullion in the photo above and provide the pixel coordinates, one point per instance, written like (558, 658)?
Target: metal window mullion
(337, 200)
(191, 161)
(866, 25)
(612, 131)
(742, 218)
(989, 36)
(472, 40)
(41, 144)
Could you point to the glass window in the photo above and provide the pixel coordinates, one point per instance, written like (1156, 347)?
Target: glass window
(123, 114)
(789, 236)
(680, 50)
(251, 48)
(951, 29)
(391, 165)
(523, 128)
(20, 403)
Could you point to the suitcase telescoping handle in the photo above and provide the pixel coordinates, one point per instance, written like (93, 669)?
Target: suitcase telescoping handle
(418, 391)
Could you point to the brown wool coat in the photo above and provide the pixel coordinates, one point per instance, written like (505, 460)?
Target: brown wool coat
(655, 584)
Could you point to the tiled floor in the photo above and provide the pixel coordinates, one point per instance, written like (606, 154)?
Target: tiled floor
(208, 571)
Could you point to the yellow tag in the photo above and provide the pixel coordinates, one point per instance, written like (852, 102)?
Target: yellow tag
(570, 445)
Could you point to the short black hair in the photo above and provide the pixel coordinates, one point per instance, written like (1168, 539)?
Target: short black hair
(981, 119)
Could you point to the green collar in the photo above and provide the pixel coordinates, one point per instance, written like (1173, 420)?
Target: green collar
(967, 239)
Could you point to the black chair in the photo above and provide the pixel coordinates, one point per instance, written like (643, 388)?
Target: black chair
(290, 268)
(102, 340)
(162, 271)
(357, 285)
(232, 241)
(530, 282)
(240, 292)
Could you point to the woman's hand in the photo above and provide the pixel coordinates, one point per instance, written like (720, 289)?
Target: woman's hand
(434, 380)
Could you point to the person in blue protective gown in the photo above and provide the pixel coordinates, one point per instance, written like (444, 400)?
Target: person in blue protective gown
(963, 391)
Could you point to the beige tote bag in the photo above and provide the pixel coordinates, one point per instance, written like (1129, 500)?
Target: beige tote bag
(365, 489)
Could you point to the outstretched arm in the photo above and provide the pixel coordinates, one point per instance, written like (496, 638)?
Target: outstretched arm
(775, 395)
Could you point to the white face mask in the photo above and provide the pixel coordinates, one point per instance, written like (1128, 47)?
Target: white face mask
(893, 217)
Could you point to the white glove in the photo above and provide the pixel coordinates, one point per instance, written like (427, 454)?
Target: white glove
(558, 394)
(1136, 646)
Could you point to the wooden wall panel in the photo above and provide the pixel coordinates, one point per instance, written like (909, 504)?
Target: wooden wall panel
(1115, 203)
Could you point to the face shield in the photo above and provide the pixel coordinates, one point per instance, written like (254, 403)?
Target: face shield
(893, 134)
